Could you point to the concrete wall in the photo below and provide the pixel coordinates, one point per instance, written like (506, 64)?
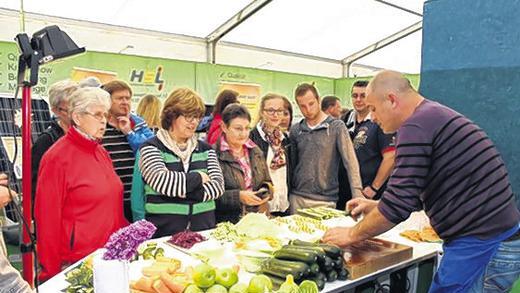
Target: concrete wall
(471, 62)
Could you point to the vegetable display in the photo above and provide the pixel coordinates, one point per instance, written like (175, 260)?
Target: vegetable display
(303, 261)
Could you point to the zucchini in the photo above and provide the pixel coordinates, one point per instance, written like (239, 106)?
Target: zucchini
(315, 268)
(319, 282)
(320, 253)
(327, 265)
(332, 251)
(302, 243)
(338, 263)
(282, 268)
(322, 276)
(342, 274)
(282, 272)
(308, 257)
(277, 282)
(332, 276)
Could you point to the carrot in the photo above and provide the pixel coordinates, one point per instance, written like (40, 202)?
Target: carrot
(144, 284)
(171, 284)
(160, 287)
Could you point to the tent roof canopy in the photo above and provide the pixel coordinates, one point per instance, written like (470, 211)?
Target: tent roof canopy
(333, 29)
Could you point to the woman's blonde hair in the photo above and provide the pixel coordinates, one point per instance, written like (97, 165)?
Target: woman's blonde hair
(266, 98)
(182, 101)
(149, 108)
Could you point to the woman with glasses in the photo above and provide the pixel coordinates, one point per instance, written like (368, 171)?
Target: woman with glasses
(276, 147)
(181, 175)
(59, 95)
(247, 180)
(79, 199)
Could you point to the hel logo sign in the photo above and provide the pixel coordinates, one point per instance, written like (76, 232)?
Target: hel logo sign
(148, 77)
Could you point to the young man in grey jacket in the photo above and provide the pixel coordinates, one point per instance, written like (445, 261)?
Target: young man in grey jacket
(321, 143)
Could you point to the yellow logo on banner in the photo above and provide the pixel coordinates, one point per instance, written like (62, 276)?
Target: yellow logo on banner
(148, 77)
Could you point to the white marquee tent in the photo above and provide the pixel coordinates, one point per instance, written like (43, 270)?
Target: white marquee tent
(333, 38)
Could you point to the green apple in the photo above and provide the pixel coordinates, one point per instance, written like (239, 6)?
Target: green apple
(260, 284)
(226, 277)
(217, 289)
(204, 276)
(193, 289)
(238, 288)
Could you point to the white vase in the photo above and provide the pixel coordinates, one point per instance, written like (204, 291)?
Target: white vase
(111, 276)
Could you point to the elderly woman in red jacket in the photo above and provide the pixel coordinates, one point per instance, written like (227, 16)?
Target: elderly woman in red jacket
(79, 198)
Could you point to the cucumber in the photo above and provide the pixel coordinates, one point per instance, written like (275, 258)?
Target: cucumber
(338, 263)
(315, 268)
(342, 274)
(320, 253)
(319, 282)
(308, 257)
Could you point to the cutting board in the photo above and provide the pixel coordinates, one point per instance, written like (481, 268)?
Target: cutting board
(371, 255)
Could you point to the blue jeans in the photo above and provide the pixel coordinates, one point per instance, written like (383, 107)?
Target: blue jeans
(502, 271)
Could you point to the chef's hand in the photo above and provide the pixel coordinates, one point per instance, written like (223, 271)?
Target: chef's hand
(340, 236)
(358, 206)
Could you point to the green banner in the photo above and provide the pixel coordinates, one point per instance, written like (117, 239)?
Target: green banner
(343, 87)
(160, 76)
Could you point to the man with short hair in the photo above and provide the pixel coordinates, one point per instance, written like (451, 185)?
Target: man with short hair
(321, 143)
(124, 134)
(375, 150)
(331, 105)
(446, 165)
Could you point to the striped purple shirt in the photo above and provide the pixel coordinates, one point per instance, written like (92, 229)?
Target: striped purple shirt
(446, 165)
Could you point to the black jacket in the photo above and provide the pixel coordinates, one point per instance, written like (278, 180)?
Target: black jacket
(229, 207)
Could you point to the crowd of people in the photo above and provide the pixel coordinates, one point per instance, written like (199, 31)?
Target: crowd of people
(99, 166)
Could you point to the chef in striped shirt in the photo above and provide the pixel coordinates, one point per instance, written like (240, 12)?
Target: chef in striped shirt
(448, 166)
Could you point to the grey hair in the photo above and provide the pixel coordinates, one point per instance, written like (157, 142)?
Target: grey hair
(61, 91)
(90, 81)
(84, 98)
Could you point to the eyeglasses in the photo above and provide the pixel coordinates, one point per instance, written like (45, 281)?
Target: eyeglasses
(272, 111)
(192, 118)
(99, 115)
